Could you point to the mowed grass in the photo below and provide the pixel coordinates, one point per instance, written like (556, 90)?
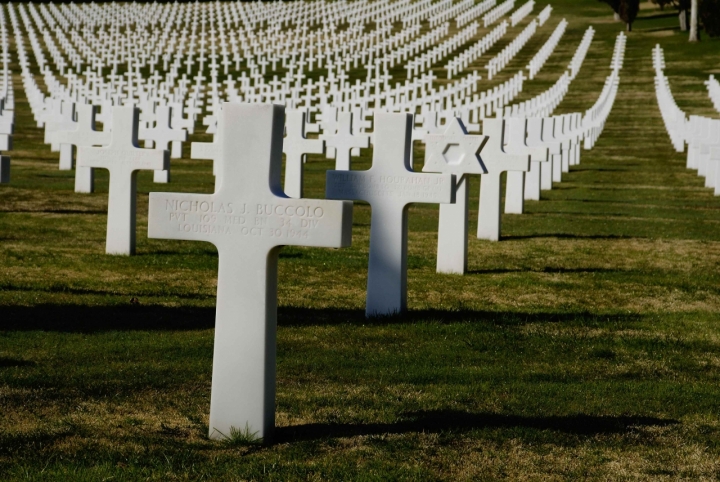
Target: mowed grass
(585, 344)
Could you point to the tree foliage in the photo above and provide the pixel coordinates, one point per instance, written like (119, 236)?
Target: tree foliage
(614, 4)
(628, 11)
(709, 16)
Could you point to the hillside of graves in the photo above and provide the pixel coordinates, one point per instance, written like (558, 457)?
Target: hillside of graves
(578, 339)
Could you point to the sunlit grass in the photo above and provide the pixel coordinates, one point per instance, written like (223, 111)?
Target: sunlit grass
(585, 344)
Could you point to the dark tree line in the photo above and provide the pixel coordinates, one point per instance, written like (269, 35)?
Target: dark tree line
(691, 13)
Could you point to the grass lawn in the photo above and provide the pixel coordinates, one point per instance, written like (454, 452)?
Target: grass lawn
(584, 344)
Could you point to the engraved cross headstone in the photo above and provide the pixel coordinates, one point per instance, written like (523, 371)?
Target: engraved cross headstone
(123, 158)
(295, 147)
(85, 135)
(248, 219)
(389, 186)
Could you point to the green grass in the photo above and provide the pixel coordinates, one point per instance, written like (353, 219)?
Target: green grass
(584, 345)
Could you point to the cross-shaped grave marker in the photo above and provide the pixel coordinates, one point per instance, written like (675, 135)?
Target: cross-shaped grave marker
(248, 219)
(516, 143)
(123, 158)
(295, 147)
(549, 169)
(162, 135)
(62, 118)
(389, 186)
(178, 121)
(84, 135)
(343, 141)
(497, 161)
(534, 139)
(454, 152)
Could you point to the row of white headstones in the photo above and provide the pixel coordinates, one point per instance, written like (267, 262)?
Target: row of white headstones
(249, 219)
(421, 85)
(700, 133)
(7, 103)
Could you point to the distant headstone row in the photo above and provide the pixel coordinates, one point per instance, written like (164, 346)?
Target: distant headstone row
(700, 134)
(7, 102)
(250, 216)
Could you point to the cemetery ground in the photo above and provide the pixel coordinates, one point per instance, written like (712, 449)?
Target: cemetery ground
(584, 344)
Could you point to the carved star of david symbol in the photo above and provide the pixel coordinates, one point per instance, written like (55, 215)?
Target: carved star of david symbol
(454, 151)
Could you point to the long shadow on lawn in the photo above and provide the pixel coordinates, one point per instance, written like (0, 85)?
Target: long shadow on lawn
(89, 319)
(567, 236)
(436, 421)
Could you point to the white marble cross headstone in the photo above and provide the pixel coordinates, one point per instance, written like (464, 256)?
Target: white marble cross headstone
(454, 152)
(389, 186)
(85, 135)
(62, 119)
(533, 180)
(123, 158)
(162, 135)
(295, 147)
(248, 219)
(178, 121)
(516, 143)
(497, 161)
(343, 141)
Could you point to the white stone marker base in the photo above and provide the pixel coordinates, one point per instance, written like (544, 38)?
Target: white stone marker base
(84, 179)
(66, 157)
(122, 204)
(453, 232)
(532, 181)
(566, 156)
(176, 150)
(557, 168)
(293, 185)
(514, 192)
(489, 209)
(161, 177)
(546, 168)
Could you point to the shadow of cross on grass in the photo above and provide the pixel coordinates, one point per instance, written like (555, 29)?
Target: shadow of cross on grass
(91, 319)
(439, 421)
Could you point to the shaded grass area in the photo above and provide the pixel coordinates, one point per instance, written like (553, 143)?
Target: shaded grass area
(585, 344)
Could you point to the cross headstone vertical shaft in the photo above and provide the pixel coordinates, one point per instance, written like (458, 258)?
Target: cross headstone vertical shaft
(248, 219)
(497, 161)
(454, 152)
(389, 186)
(295, 147)
(123, 158)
